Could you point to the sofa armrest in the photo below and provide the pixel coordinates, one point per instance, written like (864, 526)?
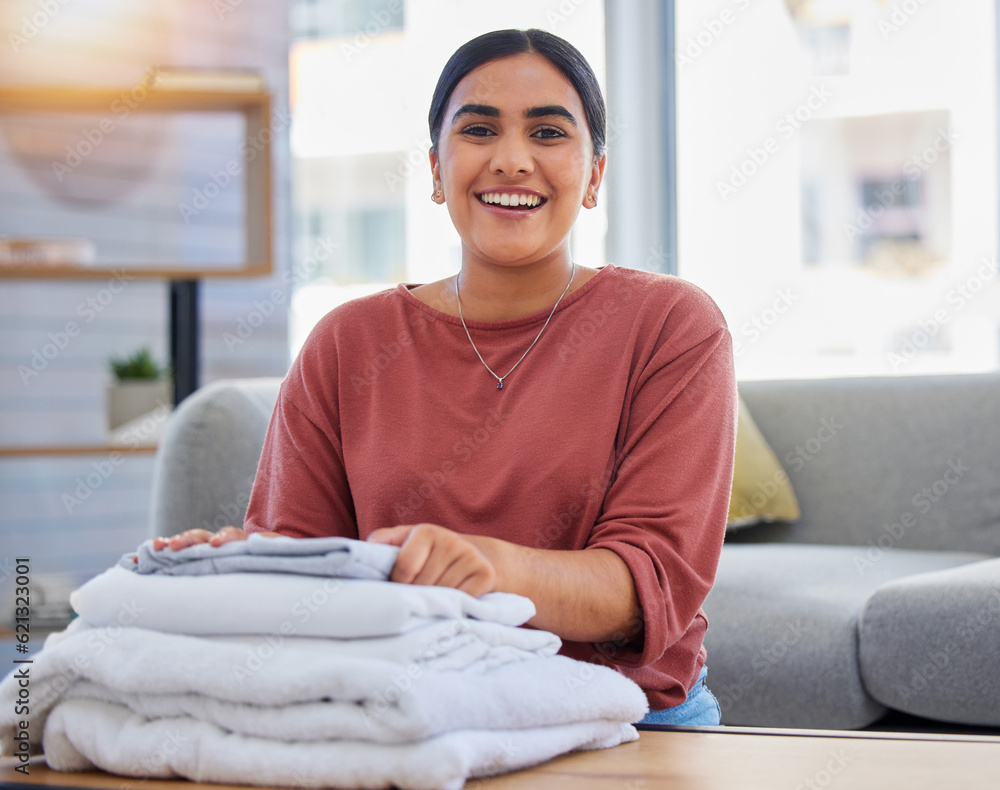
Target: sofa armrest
(208, 456)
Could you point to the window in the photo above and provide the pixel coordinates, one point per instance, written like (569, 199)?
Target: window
(837, 182)
(334, 18)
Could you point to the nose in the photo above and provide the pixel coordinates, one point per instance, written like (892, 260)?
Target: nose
(512, 156)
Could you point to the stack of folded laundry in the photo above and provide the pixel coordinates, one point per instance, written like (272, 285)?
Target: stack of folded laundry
(280, 661)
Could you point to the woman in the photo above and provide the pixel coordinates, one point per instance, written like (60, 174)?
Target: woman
(528, 425)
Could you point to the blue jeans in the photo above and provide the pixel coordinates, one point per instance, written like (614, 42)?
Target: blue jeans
(700, 709)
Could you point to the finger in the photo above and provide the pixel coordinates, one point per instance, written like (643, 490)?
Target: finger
(414, 554)
(189, 538)
(227, 535)
(478, 583)
(391, 536)
(468, 571)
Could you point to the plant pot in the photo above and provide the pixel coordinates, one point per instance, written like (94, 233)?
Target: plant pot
(134, 398)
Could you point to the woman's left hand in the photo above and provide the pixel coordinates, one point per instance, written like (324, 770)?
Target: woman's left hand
(430, 554)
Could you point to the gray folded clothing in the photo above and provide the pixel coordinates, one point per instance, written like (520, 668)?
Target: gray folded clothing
(344, 558)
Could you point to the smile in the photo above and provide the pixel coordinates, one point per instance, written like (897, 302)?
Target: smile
(516, 201)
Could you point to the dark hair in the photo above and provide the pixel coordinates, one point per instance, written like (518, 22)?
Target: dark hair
(505, 43)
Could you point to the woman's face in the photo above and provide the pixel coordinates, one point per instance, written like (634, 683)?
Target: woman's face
(514, 132)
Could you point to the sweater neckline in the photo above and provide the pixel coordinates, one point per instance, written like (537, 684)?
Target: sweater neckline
(603, 273)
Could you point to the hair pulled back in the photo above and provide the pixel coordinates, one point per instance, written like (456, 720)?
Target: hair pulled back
(506, 43)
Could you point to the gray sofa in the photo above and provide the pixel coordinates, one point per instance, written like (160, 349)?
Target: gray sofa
(884, 595)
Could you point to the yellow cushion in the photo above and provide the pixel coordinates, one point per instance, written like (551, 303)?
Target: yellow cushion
(761, 491)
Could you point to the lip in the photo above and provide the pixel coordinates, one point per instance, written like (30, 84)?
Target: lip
(505, 211)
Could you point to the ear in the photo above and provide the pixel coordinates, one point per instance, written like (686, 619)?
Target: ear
(437, 189)
(596, 176)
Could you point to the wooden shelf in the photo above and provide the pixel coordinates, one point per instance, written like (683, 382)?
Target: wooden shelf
(46, 451)
(46, 271)
(255, 106)
(66, 99)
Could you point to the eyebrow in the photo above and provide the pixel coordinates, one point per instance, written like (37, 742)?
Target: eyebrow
(532, 112)
(550, 109)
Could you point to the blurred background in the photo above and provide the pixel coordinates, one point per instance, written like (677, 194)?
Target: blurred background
(825, 169)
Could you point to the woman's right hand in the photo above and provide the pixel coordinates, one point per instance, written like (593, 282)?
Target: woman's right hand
(192, 536)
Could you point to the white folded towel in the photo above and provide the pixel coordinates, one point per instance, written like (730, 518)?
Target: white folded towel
(307, 690)
(439, 644)
(278, 679)
(83, 734)
(263, 603)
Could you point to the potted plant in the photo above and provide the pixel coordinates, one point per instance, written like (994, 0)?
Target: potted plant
(140, 386)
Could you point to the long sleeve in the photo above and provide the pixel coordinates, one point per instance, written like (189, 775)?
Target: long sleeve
(665, 510)
(301, 488)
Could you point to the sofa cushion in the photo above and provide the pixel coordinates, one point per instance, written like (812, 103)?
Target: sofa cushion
(783, 638)
(908, 461)
(761, 491)
(930, 644)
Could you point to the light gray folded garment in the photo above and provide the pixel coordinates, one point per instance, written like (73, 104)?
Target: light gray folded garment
(344, 558)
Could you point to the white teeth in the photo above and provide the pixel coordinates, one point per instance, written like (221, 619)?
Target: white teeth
(505, 199)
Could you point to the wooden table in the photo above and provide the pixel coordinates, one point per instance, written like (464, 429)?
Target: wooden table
(707, 758)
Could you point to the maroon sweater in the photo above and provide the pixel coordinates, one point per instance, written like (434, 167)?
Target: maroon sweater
(616, 431)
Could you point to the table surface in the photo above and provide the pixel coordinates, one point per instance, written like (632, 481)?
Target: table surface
(707, 758)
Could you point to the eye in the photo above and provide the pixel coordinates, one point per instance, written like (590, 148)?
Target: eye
(549, 133)
(477, 130)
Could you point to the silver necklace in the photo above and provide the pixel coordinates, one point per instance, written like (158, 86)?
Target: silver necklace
(505, 375)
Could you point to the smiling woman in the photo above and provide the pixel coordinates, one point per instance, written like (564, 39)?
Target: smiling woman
(594, 477)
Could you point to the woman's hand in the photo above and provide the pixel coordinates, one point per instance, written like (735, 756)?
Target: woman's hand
(433, 555)
(193, 536)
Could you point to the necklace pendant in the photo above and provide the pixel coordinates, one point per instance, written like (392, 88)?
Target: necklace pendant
(499, 385)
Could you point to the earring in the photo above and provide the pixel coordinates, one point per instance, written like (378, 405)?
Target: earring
(436, 195)
(592, 199)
